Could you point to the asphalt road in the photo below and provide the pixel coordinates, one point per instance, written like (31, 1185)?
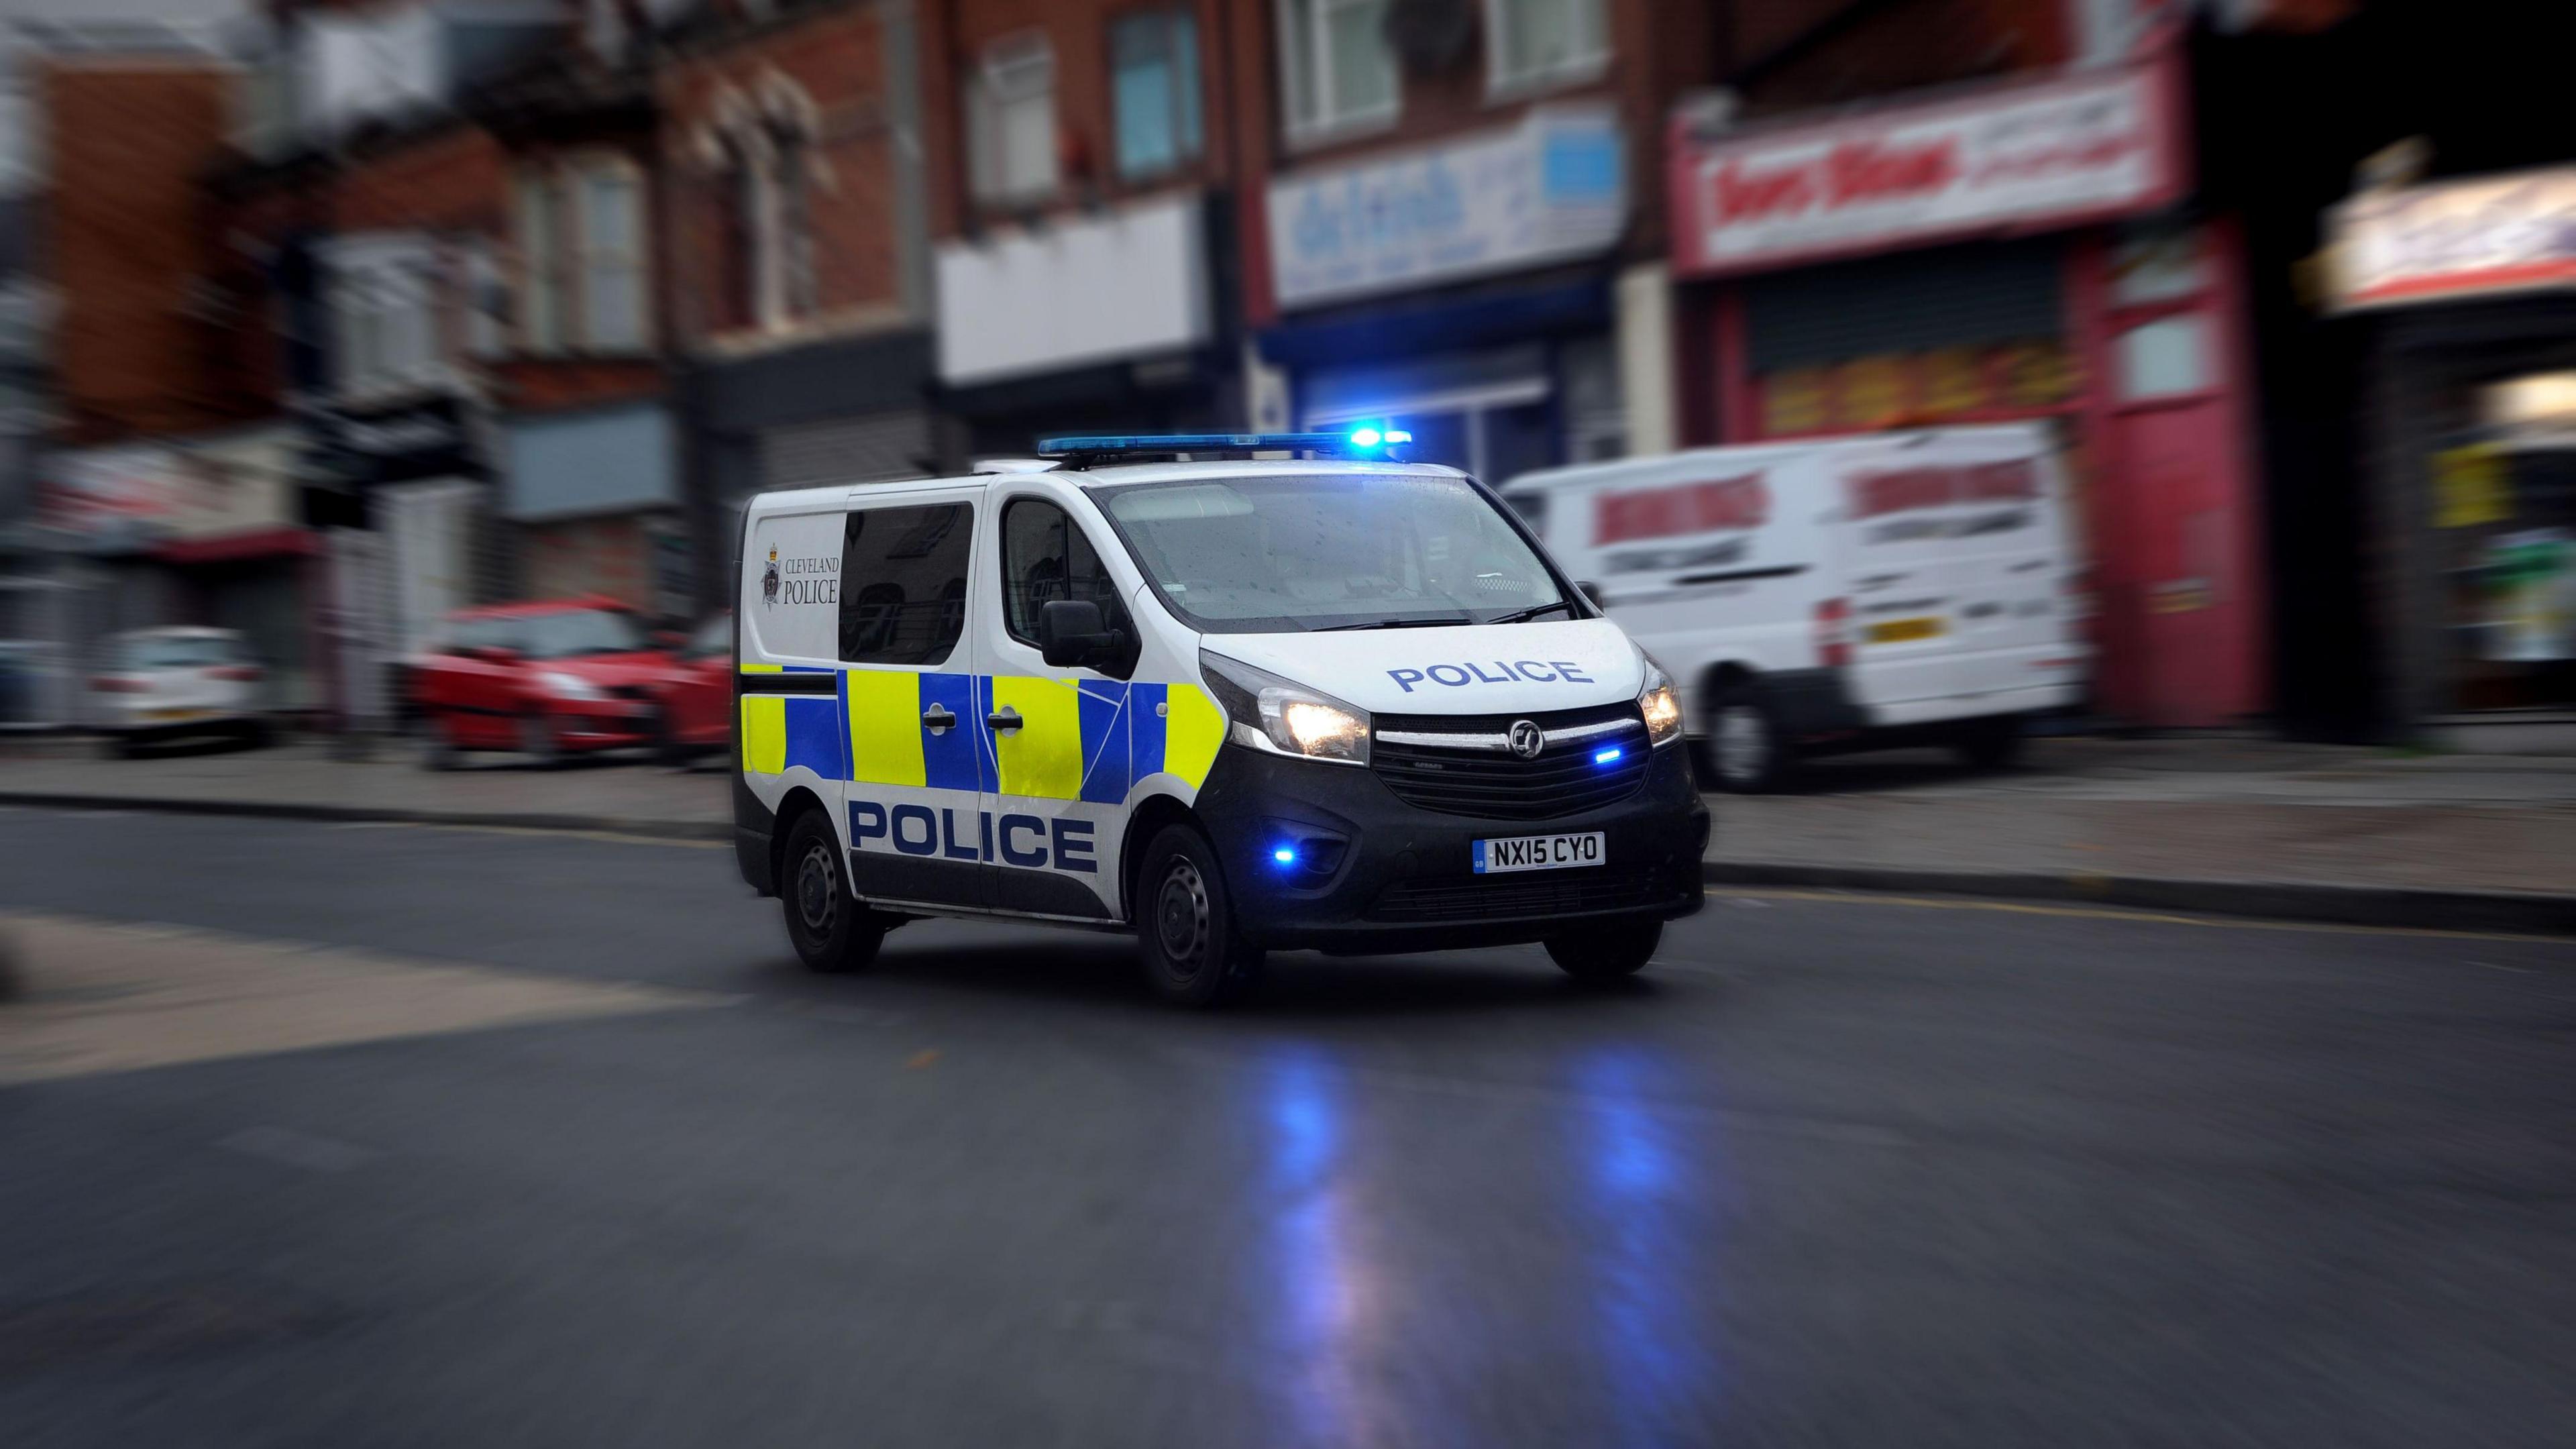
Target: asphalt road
(1836, 1171)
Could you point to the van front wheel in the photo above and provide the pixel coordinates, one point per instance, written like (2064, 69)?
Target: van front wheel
(1746, 751)
(1185, 923)
(1607, 952)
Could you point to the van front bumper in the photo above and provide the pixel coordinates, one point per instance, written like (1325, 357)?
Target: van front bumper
(1374, 874)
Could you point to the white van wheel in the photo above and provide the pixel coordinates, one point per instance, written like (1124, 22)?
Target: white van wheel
(1744, 745)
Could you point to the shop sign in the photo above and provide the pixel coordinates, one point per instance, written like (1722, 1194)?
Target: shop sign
(114, 495)
(394, 445)
(1549, 189)
(2454, 239)
(1910, 389)
(2010, 159)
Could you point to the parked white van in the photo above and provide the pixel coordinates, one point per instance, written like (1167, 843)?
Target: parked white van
(1837, 594)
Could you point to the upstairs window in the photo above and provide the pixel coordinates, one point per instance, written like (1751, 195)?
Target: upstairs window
(1337, 72)
(611, 264)
(541, 306)
(1010, 120)
(1154, 64)
(1537, 43)
(583, 265)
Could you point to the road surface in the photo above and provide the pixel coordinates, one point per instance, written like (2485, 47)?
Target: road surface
(343, 1135)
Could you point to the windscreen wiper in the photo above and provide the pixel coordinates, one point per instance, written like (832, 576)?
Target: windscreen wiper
(1523, 616)
(1395, 624)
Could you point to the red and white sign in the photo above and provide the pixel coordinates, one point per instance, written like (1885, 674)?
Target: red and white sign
(2482, 237)
(2010, 159)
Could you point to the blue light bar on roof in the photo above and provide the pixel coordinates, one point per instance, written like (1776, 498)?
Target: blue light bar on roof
(1361, 442)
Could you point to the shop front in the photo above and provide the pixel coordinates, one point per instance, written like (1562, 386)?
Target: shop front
(1462, 290)
(1108, 322)
(596, 498)
(2463, 293)
(2011, 252)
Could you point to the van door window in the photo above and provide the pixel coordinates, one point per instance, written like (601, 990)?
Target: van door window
(1045, 558)
(903, 583)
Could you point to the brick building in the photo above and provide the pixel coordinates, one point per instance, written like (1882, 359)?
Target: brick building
(1084, 194)
(792, 217)
(1450, 221)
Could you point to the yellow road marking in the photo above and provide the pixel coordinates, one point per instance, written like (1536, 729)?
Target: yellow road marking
(2115, 913)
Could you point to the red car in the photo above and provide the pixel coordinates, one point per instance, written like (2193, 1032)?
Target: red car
(564, 676)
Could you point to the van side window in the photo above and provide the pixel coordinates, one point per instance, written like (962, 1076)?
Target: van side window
(903, 583)
(1045, 558)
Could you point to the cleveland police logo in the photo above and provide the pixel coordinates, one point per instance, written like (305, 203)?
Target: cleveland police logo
(769, 579)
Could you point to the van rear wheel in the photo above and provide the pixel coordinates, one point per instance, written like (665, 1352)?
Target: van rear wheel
(1185, 923)
(1992, 743)
(1747, 753)
(832, 932)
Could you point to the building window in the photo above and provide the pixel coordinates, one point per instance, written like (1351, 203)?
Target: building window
(1338, 72)
(1154, 63)
(541, 307)
(386, 301)
(612, 257)
(1532, 43)
(1010, 120)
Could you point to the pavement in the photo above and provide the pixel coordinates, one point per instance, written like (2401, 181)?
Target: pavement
(1837, 1170)
(2235, 824)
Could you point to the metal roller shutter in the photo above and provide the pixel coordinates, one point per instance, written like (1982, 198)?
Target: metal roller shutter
(1956, 297)
(845, 450)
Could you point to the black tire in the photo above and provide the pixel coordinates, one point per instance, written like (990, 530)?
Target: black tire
(118, 746)
(1608, 951)
(1993, 743)
(438, 751)
(1746, 752)
(254, 735)
(1185, 923)
(667, 749)
(831, 931)
(541, 740)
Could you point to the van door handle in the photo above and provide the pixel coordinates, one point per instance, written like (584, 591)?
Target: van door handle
(938, 720)
(1008, 719)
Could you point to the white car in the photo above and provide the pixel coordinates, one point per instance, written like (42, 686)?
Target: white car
(165, 683)
(1838, 594)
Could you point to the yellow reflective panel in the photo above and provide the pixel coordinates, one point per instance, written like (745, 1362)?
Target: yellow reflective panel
(758, 668)
(764, 734)
(885, 727)
(1192, 733)
(1043, 757)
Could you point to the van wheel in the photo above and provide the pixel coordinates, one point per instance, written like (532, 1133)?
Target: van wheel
(832, 932)
(1992, 743)
(1185, 922)
(1607, 952)
(1746, 753)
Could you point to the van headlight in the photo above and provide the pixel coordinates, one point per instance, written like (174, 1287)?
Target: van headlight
(1284, 717)
(1661, 704)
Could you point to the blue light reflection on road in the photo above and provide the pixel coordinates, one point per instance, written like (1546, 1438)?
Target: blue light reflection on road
(1641, 1255)
(1322, 1284)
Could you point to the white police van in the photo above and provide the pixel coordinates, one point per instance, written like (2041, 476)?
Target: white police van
(1231, 692)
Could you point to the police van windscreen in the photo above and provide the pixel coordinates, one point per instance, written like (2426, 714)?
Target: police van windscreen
(1275, 555)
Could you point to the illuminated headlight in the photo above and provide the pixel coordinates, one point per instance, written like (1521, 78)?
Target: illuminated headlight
(1284, 717)
(1661, 706)
(569, 686)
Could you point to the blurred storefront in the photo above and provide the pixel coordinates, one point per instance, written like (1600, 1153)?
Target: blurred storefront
(2000, 251)
(596, 495)
(2463, 292)
(1099, 322)
(1501, 353)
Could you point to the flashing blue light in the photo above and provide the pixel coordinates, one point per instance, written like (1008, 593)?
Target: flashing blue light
(1608, 756)
(1365, 437)
(1398, 435)
(1084, 447)
(1285, 855)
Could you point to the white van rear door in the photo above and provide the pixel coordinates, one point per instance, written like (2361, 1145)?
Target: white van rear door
(1952, 551)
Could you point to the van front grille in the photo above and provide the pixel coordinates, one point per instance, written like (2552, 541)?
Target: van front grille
(1567, 778)
(1521, 897)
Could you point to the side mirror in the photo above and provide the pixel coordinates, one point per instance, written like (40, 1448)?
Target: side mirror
(1590, 591)
(1072, 635)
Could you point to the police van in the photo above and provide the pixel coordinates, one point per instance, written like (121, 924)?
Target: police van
(1233, 693)
(1838, 594)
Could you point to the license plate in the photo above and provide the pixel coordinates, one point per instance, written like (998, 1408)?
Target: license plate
(1900, 631)
(1538, 852)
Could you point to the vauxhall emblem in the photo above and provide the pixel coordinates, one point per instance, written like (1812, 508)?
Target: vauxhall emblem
(1527, 738)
